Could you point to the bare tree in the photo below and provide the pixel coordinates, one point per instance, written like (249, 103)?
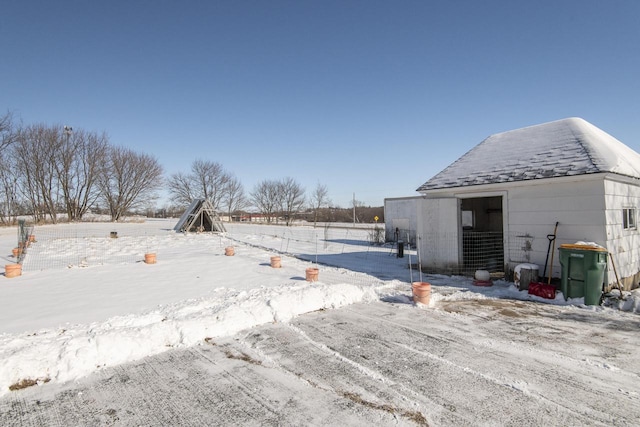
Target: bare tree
(9, 190)
(318, 200)
(207, 180)
(212, 179)
(8, 133)
(128, 180)
(35, 150)
(8, 176)
(291, 198)
(77, 162)
(234, 198)
(265, 197)
(180, 189)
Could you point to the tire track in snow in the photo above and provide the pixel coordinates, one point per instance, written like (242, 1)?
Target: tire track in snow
(548, 341)
(247, 387)
(584, 412)
(398, 387)
(409, 383)
(289, 350)
(331, 352)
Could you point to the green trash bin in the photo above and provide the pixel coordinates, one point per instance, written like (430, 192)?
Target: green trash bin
(583, 268)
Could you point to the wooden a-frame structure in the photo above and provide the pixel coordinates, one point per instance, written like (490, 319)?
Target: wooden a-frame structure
(200, 216)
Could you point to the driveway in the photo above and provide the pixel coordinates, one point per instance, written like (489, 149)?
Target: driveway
(476, 362)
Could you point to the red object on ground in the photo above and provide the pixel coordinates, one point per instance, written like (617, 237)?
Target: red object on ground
(482, 283)
(542, 290)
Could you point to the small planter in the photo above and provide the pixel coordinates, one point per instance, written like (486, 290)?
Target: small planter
(113, 234)
(32, 238)
(150, 258)
(16, 252)
(12, 270)
(229, 251)
(312, 274)
(275, 262)
(421, 292)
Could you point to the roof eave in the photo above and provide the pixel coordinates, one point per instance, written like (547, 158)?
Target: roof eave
(496, 186)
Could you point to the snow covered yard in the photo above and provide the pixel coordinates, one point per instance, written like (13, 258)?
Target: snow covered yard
(201, 338)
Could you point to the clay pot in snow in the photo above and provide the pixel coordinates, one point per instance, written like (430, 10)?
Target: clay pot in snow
(275, 262)
(312, 274)
(421, 292)
(12, 270)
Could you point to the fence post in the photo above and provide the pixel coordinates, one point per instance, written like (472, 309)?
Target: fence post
(419, 256)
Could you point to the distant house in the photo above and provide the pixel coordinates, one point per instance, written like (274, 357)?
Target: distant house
(495, 206)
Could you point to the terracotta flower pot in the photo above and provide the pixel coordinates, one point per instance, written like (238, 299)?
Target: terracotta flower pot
(229, 251)
(150, 258)
(15, 252)
(312, 274)
(275, 262)
(421, 292)
(12, 270)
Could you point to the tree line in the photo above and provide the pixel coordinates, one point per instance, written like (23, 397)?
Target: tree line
(53, 172)
(47, 170)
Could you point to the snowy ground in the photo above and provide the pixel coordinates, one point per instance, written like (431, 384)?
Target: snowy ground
(201, 338)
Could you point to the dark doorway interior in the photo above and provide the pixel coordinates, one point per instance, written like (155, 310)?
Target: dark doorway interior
(482, 234)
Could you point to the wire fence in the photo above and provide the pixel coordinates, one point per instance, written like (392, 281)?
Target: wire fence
(446, 253)
(89, 244)
(359, 250)
(357, 253)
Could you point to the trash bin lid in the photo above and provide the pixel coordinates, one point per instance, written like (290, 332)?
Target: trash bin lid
(583, 247)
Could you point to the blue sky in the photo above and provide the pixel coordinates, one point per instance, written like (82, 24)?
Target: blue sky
(365, 97)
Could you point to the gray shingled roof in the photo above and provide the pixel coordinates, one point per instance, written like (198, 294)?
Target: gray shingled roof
(565, 147)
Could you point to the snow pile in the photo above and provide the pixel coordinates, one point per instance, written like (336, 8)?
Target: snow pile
(68, 354)
(590, 244)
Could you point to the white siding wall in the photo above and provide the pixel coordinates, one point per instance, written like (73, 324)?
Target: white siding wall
(587, 208)
(439, 232)
(624, 245)
(578, 206)
(533, 208)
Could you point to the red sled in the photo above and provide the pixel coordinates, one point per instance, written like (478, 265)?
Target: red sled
(542, 290)
(482, 283)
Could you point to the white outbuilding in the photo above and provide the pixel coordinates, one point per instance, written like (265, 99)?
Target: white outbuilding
(497, 206)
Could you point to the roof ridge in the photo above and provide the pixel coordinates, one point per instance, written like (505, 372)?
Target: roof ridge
(566, 147)
(581, 142)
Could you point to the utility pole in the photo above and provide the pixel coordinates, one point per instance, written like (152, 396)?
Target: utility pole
(71, 210)
(354, 209)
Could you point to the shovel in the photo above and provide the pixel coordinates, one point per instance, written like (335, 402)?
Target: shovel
(545, 290)
(552, 239)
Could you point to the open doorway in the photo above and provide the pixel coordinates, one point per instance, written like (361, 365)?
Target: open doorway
(482, 234)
